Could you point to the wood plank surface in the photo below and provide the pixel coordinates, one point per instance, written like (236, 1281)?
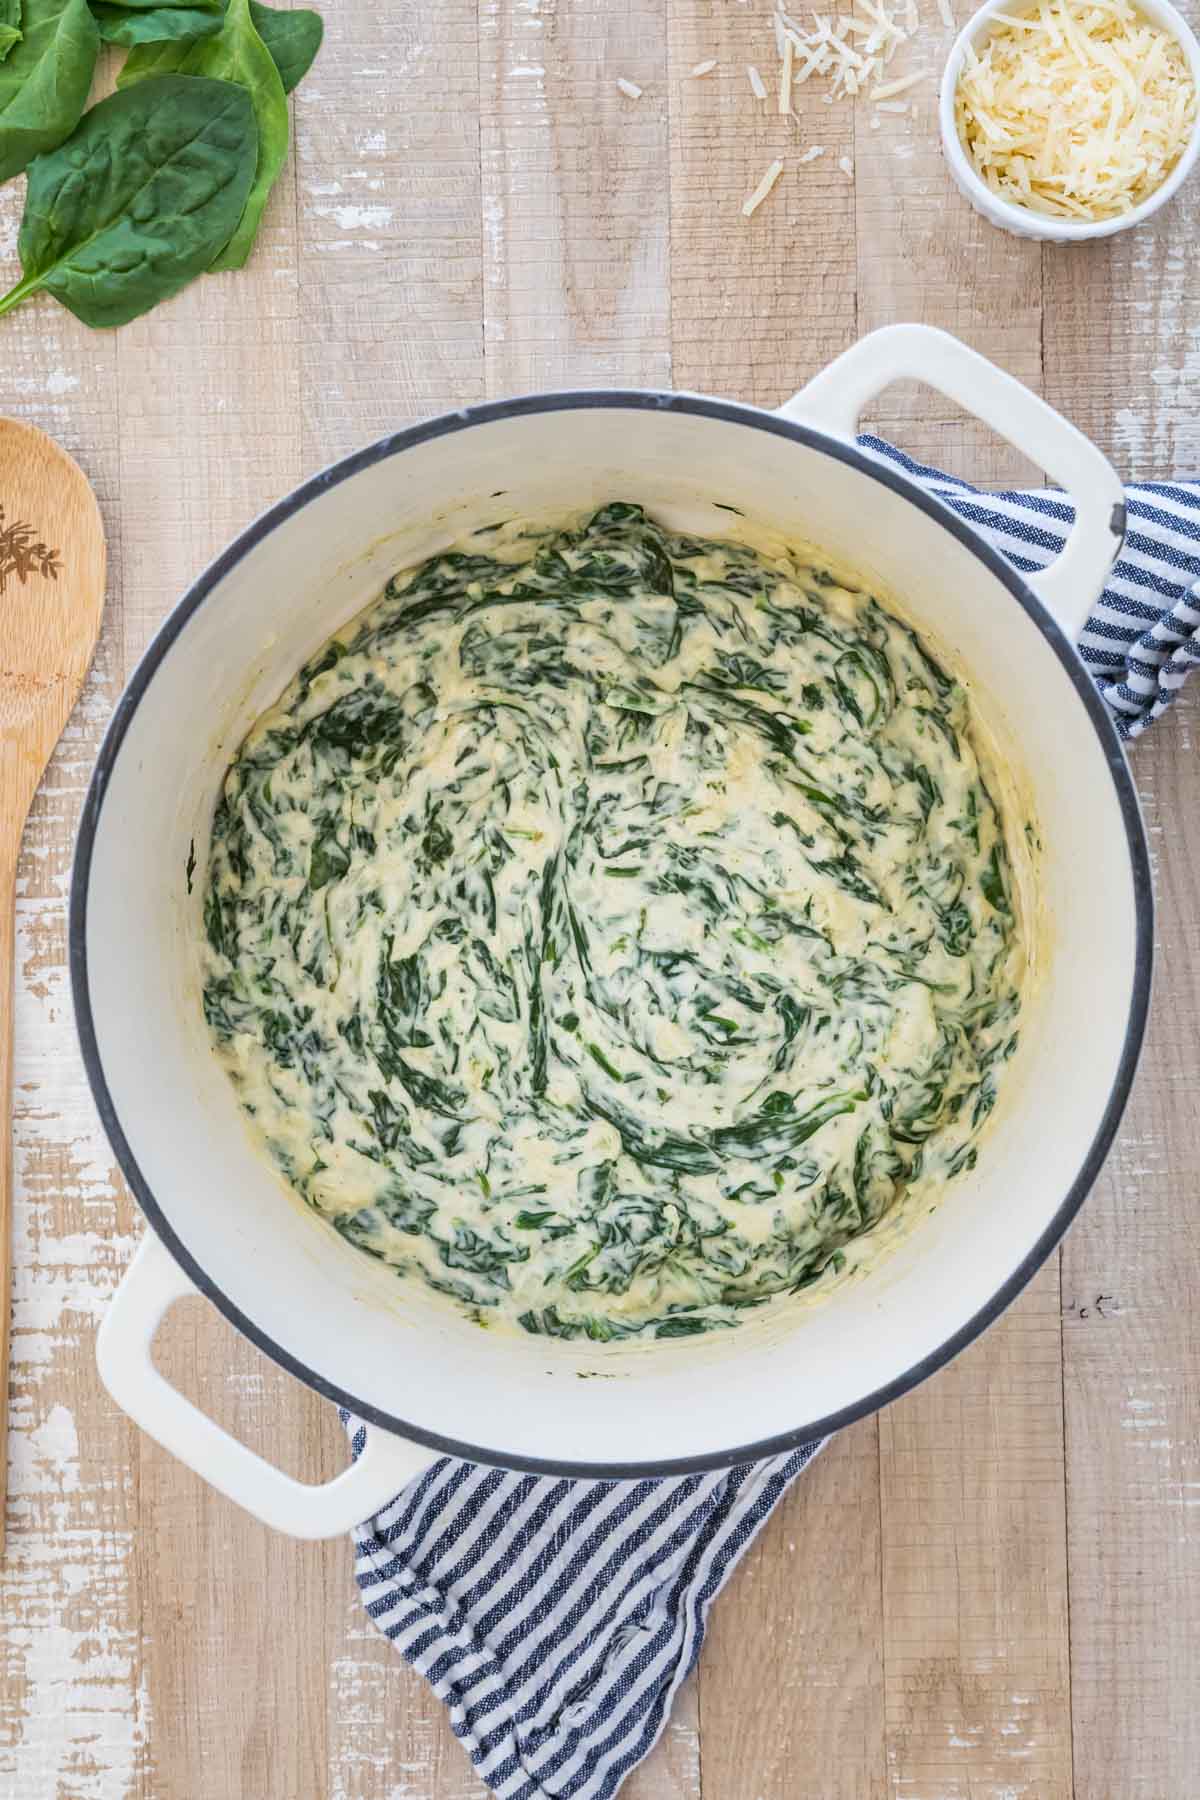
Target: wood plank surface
(993, 1590)
(1119, 331)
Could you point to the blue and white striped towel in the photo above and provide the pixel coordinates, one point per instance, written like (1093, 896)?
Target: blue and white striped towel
(558, 1619)
(1143, 638)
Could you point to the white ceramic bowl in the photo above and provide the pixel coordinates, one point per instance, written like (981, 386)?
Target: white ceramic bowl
(223, 1222)
(1020, 220)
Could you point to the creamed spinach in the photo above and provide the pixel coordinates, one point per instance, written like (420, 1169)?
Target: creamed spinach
(610, 926)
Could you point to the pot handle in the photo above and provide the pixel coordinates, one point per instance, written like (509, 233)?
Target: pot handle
(835, 399)
(152, 1283)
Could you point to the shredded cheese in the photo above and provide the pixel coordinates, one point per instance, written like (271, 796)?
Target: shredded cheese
(946, 12)
(764, 187)
(889, 89)
(785, 75)
(848, 50)
(1079, 110)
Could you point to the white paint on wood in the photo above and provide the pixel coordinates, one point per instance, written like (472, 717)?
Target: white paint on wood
(76, 1726)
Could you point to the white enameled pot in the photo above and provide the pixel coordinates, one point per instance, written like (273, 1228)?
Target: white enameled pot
(221, 1220)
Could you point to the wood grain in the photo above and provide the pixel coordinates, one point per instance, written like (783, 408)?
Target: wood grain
(52, 561)
(473, 209)
(792, 1697)
(975, 1581)
(757, 305)
(9, 856)
(1121, 356)
(72, 1697)
(388, 223)
(575, 212)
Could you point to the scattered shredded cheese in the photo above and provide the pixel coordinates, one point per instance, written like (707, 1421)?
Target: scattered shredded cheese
(846, 52)
(785, 75)
(764, 187)
(846, 49)
(1078, 111)
(947, 14)
(889, 89)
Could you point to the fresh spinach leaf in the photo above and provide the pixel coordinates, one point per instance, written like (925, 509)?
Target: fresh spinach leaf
(139, 199)
(10, 26)
(44, 80)
(130, 25)
(293, 38)
(236, 54)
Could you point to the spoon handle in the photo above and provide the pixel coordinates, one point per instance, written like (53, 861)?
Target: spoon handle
(8, 872)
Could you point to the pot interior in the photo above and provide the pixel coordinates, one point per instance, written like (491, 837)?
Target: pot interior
(350, 1326)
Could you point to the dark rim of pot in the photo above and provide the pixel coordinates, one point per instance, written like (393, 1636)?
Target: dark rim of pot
(889, 476)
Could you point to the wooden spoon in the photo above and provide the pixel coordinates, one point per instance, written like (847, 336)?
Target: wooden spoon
(51, 600)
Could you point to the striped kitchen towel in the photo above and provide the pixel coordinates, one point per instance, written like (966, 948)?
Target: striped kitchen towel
(557, 1619)
(1143, 638)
